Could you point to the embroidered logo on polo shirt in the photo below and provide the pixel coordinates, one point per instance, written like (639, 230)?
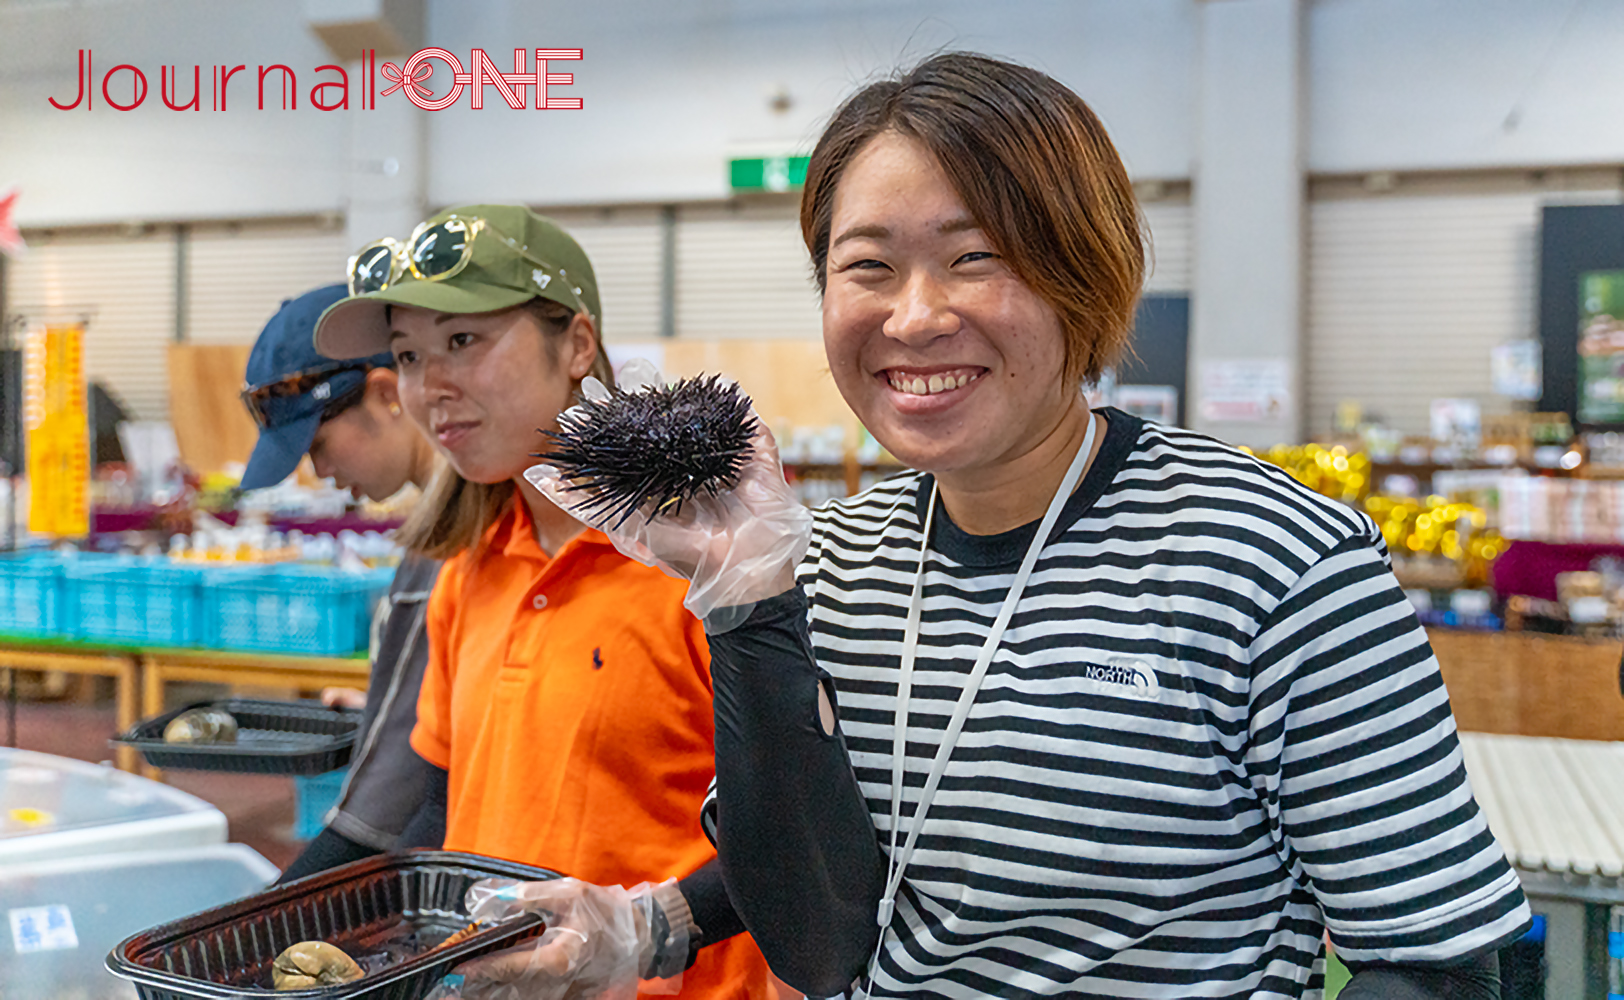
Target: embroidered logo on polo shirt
(597, 657)
(1133, 678)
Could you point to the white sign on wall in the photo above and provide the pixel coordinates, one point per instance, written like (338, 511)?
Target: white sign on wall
(1517, 369)
(1249, 391)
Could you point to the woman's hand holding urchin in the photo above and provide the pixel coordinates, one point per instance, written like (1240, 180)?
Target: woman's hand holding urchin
(736, 543)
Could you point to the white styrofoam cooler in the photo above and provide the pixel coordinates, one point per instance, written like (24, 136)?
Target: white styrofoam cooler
(60, 918)
(55, 807)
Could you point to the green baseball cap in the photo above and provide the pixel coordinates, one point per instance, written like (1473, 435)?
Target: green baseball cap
(468, 259)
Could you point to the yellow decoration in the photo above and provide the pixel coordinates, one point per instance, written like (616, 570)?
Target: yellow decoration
(1434, 527)
(58, 432)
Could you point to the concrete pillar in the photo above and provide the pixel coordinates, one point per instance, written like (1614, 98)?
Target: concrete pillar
(1247, 304)
(388, 178)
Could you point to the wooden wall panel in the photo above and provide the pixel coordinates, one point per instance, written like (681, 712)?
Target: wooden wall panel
(211, 427)
(788, 380)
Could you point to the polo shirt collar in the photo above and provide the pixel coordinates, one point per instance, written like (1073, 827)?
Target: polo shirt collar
(514, 534)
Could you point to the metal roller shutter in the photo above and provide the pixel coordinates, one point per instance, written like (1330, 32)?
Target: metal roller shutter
(1408, 294)
(1170, 253)
(125, 289)
(237, 280)
(624, 246)
(742, 272)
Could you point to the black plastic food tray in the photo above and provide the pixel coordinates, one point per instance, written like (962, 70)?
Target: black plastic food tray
(273, 737)
(228, 951)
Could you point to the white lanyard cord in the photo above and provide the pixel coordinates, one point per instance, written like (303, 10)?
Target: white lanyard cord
(950, 737)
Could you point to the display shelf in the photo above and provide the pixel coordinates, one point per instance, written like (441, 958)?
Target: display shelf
(1426, 470)
(850, 470)
(1588, 471)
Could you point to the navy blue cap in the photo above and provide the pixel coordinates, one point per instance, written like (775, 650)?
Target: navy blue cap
(286, 347)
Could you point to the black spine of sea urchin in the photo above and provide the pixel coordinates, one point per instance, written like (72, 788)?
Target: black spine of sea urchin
(659, 445)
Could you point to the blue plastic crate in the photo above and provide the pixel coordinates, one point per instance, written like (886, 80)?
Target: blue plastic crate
(31, 593)
(134, 601)
(288, 609)
(313, 796)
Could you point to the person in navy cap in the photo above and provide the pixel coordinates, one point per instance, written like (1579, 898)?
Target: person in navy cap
(347, 416)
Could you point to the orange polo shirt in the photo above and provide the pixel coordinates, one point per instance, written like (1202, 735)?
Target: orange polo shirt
(569, 698)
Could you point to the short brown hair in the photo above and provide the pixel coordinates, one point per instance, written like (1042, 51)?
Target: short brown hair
(1035, 169)
(454, 512)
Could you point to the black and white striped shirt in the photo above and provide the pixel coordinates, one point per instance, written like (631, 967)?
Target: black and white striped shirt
(1213, 730)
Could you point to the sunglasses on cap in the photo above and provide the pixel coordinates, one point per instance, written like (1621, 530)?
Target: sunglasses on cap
(434, 253)
(278, 402)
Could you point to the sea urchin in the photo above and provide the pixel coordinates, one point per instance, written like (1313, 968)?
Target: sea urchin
(661, 445)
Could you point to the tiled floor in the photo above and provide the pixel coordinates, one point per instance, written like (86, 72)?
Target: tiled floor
(258, 808)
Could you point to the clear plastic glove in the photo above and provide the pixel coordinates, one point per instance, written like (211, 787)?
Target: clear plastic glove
(596, 944)
(734, 549)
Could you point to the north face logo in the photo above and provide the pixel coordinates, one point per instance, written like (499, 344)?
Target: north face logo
(1126, 673)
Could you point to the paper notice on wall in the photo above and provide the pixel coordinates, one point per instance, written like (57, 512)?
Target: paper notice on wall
(1457, 421)
(1249, 391)
(1516, 369)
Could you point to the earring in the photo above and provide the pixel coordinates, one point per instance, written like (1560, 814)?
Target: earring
(394, 409)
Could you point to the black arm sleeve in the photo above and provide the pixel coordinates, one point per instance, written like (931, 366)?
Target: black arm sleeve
(707, 900)
(800, 859)
(329, 850)
(1477, 978)
(426, 828)
(708, 909)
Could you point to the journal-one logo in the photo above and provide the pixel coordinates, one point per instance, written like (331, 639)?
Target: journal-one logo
(125, 87)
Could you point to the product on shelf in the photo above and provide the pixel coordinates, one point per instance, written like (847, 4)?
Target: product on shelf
(1332, 471)
(799, 444)
(1437, 543)
(1545, 509)
(257, 544)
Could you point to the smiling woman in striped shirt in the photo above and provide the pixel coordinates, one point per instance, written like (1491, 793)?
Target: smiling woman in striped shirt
(1088, 706)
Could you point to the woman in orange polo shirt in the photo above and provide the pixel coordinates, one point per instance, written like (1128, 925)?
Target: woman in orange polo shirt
(567, 696)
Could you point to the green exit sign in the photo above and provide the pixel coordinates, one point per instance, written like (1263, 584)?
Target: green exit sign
(768, 173)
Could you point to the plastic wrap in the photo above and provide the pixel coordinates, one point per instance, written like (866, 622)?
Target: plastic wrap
(596, 944)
